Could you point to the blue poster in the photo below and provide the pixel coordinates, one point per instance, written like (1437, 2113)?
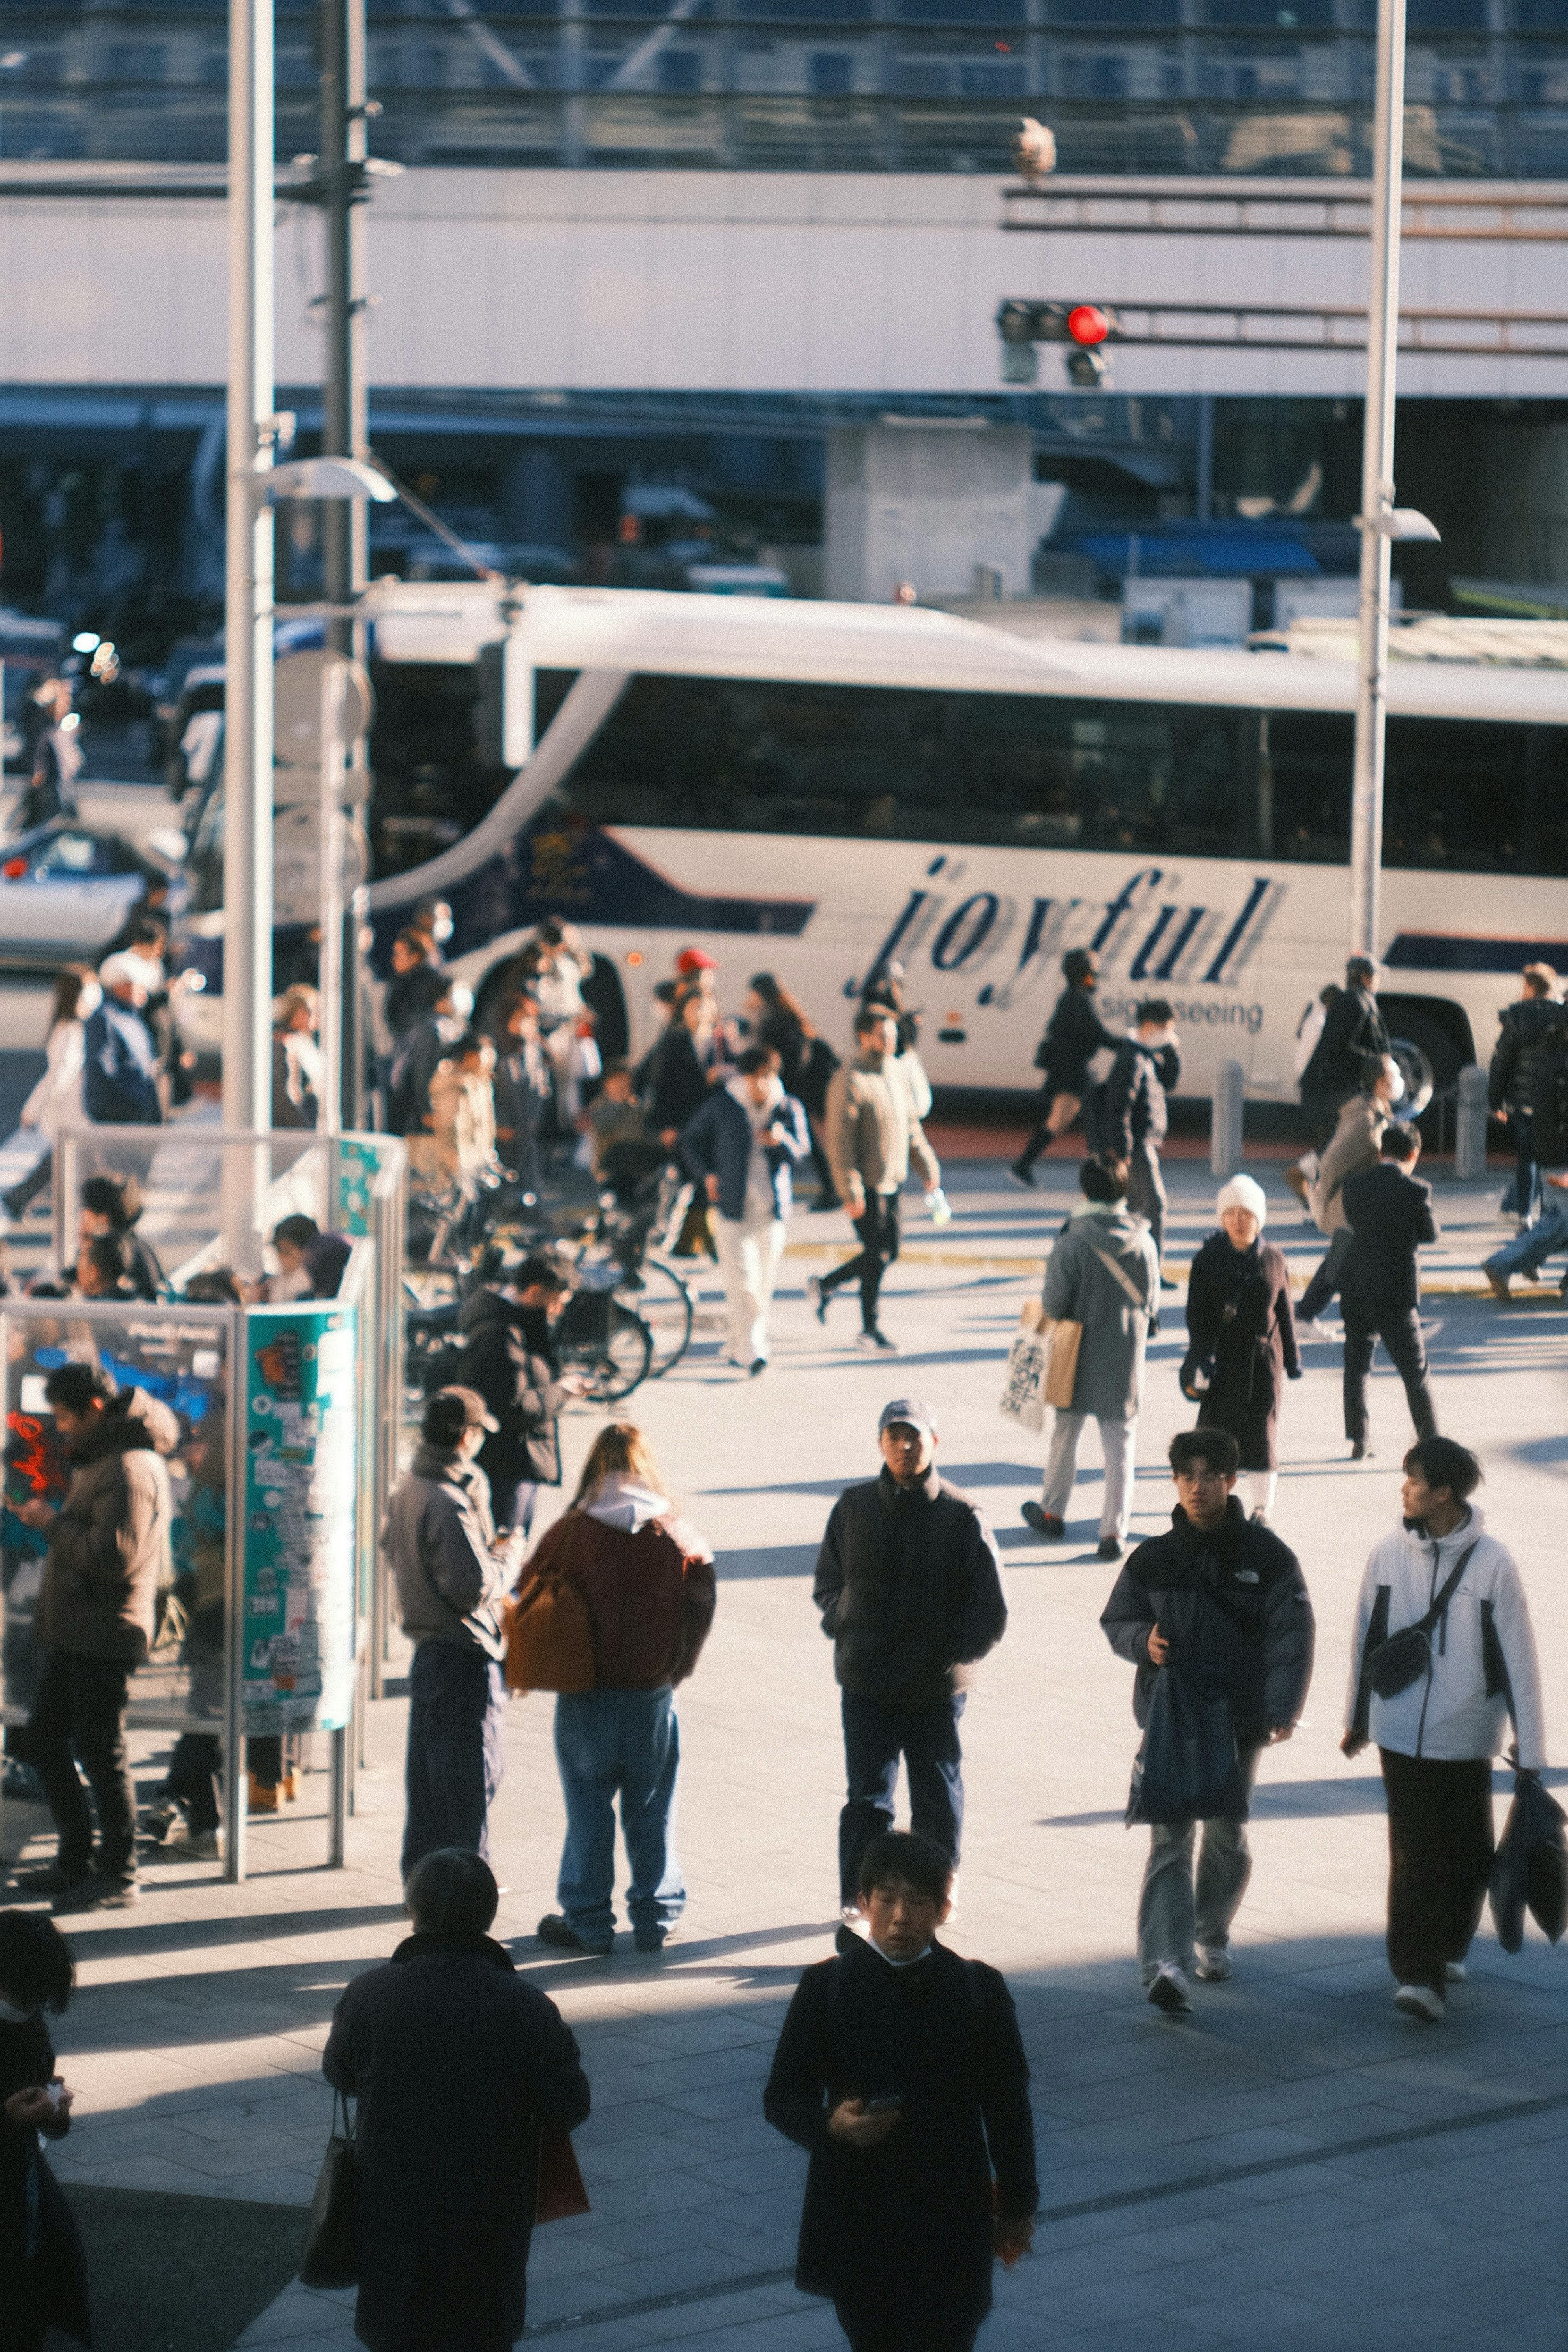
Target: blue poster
(300, 1439)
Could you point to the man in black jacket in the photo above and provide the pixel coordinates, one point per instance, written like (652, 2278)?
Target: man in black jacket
(1525, 1064)
(909, 1587)
(508, 1355)
(458, 2067)
(1220, 1600)
(1073, 1036)
(1353, 1034)
(1130, 1119)
(901, 2070)
(1390, 1213)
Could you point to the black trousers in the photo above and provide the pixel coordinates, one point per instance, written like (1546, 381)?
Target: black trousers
(79, 1712)
(457, 1750)
(192, 1778)
(1439, 1854)
(876, 1228)
(1400, 1332)
(877, 1732)
(1146, 1192)
(870, 2329)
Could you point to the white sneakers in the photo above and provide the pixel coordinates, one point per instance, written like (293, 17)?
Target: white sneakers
(1213, 1963)
(1421, 2000)
(1170, 1992)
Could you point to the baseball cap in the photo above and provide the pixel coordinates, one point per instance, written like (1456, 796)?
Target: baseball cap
(451, 1411)
(910, 1410)
(694, 960)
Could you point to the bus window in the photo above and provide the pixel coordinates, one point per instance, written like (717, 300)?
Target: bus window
(1483, 799)
(1309, 757)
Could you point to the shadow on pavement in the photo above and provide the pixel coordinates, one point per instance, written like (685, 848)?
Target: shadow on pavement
(181, 2273)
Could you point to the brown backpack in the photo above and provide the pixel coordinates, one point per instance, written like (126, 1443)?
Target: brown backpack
(550, 1631)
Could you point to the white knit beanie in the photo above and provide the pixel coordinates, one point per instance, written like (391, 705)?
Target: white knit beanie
(1241, 1192)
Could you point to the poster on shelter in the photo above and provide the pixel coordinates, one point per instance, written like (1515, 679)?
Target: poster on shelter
(300, 1480)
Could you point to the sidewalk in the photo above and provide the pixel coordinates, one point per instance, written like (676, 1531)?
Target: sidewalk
(1299, 2166)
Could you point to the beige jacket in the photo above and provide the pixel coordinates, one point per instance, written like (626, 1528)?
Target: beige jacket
(872, 1132)
(463, 1123)
(1353, 1146)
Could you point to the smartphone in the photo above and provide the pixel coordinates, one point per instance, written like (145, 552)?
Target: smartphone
(887, 2105)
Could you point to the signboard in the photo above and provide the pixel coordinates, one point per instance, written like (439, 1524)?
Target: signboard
(300, 1444)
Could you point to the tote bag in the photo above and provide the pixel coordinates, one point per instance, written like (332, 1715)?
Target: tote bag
(1043, 1364)
(329, 2258)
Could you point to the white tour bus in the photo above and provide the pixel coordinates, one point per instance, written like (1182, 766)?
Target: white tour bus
(811, 789)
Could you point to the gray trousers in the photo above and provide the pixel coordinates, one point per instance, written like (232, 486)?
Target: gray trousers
(1173, 1913)
(1118, 1440)
(1146, 1192)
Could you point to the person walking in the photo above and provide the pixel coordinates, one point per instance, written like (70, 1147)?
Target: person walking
(1358, 1132)
(119, 1060)
(1221, 1601)
(108, 1561)
(509, 1357)
(56, 1100)
(450, 1575)
(1437, 1735)
(523, 1092)
(901, 2070)
(57, 759)
(1103, 1274)
(806, 1064)
(874, 1132)
(1353, 1036)
(909, 1589)
(1073, 1036)
(1524, 1062)
(459, 2068)
(1129, 1116)
(646, 1578)
(741, 1146)
(1241, 1337)
(1390, 1213)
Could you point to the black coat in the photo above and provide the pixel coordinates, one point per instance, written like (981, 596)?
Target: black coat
(906, 2228)
(507, 1355)
(909, 1590)
(1534, 1036)
(457, 2064)
(50, 2288)
(1240, 1322)
(1233, 1605)
(677, 1083)
(1390, 1216)
(1354, 1033)
(1073, 1036)
(1130, 1109)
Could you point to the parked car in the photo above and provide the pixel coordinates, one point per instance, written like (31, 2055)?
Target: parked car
(65, 890)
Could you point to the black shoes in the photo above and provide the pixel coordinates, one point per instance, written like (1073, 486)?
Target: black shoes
(1022, 1173)
(758, 1364)
(559, 1933)
(1109, 1548)
(51, 1878)
(97, 1893)
(817, 1297)
(1042, 1522)
(1360, 1451)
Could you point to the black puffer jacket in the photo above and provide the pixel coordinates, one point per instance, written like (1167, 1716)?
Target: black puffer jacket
(1354, 1033)
(508, 1357)
(1233, 1605)
(910, 1589)
(1073, 1036)
(1526, 1052)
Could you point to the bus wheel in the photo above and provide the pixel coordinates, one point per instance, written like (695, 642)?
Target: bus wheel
(1415, 1069)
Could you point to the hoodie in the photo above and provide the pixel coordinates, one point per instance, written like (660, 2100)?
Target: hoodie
(647, 1578)
(1484, 1651)
(108, 1554)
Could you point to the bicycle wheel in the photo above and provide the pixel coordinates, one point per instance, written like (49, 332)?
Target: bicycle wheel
(617, 1363)
(664, 1301)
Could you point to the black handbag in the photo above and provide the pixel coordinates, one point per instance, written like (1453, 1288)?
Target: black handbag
(331, 2258)
(1529, 1869)
(1391, 1667)
(1188, 1768)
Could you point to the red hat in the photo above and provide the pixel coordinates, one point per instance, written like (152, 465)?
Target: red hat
(691, 960)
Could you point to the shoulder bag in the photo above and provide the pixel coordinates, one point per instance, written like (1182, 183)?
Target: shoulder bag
(560, 2193)
(1391, 1667)
(331, 2258)
(550, 1632)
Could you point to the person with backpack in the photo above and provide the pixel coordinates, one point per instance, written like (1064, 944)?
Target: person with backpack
(642, 1581)
(1103, 1276)
(1221, 1603)
(1442, 1656)
(901, 2070)
(1127, 1116)
(1073, 1036)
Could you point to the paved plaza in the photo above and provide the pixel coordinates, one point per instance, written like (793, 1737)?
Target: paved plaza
(1297, 2167)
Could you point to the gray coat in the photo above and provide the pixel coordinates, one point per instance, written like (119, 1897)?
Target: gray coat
(1080, 1287)
(438, 1542)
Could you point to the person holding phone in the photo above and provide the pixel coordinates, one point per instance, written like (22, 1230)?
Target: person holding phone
(901, 2070)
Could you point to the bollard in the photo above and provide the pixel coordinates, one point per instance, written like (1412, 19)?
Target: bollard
(1225, 1121)
(1470, 1125)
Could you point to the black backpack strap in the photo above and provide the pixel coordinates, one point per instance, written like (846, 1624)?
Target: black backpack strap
(1376, 1634)
(1435, 1615)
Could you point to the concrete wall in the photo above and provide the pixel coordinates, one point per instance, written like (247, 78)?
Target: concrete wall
(927, 504)
(700, 280)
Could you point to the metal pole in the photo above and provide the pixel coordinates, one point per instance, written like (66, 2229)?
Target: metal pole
(1377, 481)
(248, 617)
(330, 972)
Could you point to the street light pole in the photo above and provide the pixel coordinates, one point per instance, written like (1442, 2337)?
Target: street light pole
(247, 613)
(1377, 482)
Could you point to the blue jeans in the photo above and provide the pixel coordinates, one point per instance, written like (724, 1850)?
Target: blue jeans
(1530, 1250)
(626, 1742)
(456, 1753)
(876, 1733)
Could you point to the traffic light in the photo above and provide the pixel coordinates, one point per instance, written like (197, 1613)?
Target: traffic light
(1085, 326)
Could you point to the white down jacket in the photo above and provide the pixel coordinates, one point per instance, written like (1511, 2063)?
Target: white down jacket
(1484, 1651)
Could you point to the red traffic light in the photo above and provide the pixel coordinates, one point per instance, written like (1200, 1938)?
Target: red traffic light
(1086, 323)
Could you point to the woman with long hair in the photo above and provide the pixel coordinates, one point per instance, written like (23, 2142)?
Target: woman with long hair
(56, 1100)
(646, 1577)
(806, 1063)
